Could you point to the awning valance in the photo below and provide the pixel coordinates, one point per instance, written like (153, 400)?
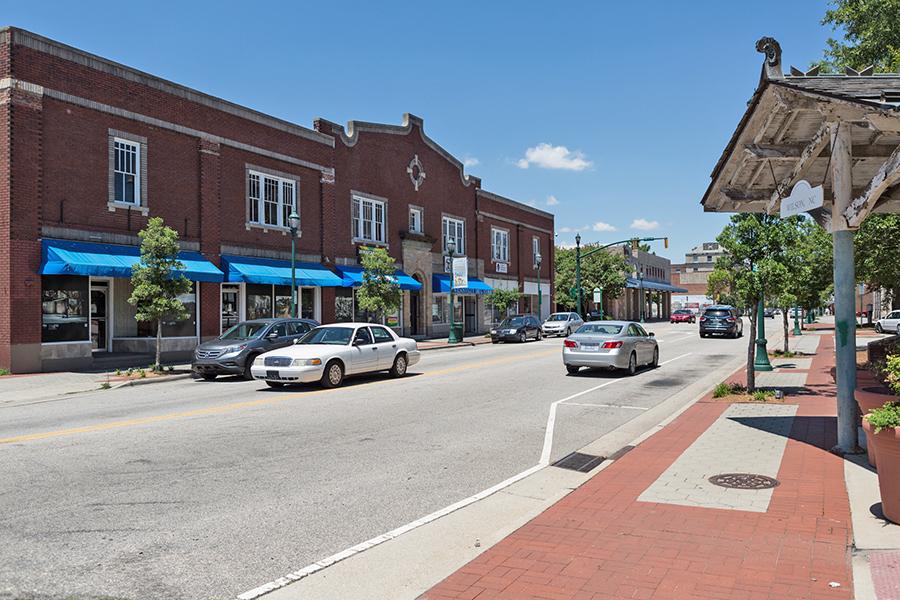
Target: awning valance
(66, 257)
(631, 282)
(353, 277)
(441, 285)
(277, 272)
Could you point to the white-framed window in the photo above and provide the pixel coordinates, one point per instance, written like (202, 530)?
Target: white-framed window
(271, 199)
(127, 172)
(454, 229)
(415, 219)
(368, 219)
(499, 245)
(535, 249)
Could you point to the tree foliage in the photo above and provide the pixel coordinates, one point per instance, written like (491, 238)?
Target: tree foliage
(502, 299)
(870, 35)
(877, 247)
(599, 270)
(156, 280)
(380, 291)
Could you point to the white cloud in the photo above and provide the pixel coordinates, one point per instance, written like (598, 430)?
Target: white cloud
(554, 157)
(566, 244)
(471, 161)
(601, 226)
(644, 224)
(552, 201)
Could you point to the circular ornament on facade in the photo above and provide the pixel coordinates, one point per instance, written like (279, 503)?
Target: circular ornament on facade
(416, 172)
(744, 481)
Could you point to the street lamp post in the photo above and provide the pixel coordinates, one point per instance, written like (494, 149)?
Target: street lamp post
(537, 265)
(294, 223)
(578, 272)
(643, 301)
(761, 362)
(797, 330)
(452, 338)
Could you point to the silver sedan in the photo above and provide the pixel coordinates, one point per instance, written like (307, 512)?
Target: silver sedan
(329, 352)
(610, 345)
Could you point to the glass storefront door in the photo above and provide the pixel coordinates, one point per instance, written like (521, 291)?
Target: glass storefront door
(231, 303)
(99, 311)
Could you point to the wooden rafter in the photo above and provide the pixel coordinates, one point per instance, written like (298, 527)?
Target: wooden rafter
(887, 176)
(809, 154)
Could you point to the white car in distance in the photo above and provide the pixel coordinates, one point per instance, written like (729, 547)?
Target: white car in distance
(329, 353)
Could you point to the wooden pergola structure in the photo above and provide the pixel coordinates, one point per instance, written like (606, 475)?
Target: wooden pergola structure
(838, 131)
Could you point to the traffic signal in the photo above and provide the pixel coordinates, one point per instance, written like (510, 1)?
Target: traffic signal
(666, 241)
(635, 244)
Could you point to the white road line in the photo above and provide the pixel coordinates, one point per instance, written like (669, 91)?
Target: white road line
(361, 547)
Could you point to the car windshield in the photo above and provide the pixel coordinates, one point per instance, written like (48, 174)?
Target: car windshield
(337, 336)
(600, 328)
(514, 322)
(717, 313)
(682, 312)
(244, 331)
(559, 317)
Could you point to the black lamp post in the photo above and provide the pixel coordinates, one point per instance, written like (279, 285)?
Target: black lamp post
(537, 265)
(452, 338)
(294, 223)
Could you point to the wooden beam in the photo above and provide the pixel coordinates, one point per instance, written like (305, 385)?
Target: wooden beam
(885, 122)
(888, 175)
(740, 194)
(796, 150)
(809, 154)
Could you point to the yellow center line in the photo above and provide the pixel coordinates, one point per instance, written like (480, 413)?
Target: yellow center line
(213, 410)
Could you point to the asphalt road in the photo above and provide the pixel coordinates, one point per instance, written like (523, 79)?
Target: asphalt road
(191, 489)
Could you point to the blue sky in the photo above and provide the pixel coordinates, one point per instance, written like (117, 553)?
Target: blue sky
(618, 111)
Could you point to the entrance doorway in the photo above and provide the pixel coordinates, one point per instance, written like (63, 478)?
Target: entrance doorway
(469, 308)
(99, 316)
(414, 300)
(231, 306)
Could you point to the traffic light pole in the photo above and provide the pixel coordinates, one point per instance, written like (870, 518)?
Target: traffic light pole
(578, 256)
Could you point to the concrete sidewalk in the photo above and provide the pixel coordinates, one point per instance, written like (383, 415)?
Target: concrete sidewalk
(653, 526)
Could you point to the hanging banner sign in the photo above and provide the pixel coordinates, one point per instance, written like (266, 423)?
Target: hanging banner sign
(460, 272)
(803, 198)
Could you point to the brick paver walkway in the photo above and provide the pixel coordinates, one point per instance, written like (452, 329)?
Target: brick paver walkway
(601, 543)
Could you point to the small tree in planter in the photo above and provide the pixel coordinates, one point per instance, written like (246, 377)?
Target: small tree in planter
(380, 291)
(156, 279)
(884, 427)
(502, 299)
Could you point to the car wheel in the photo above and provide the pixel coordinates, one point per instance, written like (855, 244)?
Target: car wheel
(538, 337)
(632, 364)
(878, 328)
(209, 376)
(333, 376)
(274, 384)
(655, 362)
(571, 369)
(399, 368)
(523, 338)
(568, 331)
(703, 335)
(247, 374)
(495, 341)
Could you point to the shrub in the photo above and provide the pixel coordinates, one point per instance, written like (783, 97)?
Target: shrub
(142, 373)
(129, 372)
(762, 395)
(4, 372)
(886, 417)
(891, 372)
(726, 389)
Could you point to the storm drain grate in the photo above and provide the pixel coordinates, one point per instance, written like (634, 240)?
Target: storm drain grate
(744, 481)
(579, 462)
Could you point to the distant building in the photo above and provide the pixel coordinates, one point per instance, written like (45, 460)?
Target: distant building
(693, 275)
(649, 277)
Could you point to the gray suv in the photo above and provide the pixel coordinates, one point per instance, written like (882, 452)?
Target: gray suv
(723, 320)
(232, 353)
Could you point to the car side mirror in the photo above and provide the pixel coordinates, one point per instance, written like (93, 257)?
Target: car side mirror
(652, 334)
(272, 335)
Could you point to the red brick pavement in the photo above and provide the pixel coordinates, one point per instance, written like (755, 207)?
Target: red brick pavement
(601, 543)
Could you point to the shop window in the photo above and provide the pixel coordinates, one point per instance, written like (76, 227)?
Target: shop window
(64, 308)
(343, 305)
(439, 312)
(307, 303)
(364, 316)
(283, 301)
(259, 301)
(186, 327)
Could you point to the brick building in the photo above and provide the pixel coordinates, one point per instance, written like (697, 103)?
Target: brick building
(648, 282)
(90, 149)
(693, 275)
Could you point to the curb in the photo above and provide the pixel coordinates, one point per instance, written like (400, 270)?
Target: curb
(452, 346)
(124, 384)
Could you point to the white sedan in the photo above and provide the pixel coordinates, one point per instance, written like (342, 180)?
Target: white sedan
(890, 323)
(330, 352)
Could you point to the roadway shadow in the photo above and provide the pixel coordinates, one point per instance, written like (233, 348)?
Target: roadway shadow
(350, 382)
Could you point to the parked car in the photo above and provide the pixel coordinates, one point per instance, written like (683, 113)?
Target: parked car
(562, 323)
(889, 324)
(721, 320)
(796, 312)
(233, 352)
(769, 313)
(517, 328)
(682, 315)
(329, 353)
(594, 315)
(610, 345)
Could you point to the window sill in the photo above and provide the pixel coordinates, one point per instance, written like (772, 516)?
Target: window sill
(273, 228)
(112, 206)
(369, 242)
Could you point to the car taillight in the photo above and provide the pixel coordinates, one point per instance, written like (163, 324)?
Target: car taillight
(702, 319)
(730, 319)
(570, 344)
(612, 344)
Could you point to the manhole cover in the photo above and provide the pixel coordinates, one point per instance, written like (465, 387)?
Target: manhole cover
(579, 462)
(743, 481)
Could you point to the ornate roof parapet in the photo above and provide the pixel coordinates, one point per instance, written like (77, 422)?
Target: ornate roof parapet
(772, 66)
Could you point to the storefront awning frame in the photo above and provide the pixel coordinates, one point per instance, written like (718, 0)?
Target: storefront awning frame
(269, 271)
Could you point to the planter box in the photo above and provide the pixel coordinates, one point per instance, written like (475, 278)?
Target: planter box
(887, 451)
(869, 401)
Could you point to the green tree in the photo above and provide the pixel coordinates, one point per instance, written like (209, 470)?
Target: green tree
(156, 280)
(380, 291)
(870, 35)
(502, 299)
(600, 270)
(878, 253)
(718, 285)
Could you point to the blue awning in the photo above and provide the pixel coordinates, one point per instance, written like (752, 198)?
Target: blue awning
(65, 257)
(441, 285)
(654, 285)
(353, 277)
(277, 272)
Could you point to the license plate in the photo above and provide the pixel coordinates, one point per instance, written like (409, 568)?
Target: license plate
(272, 375)
(590, 347)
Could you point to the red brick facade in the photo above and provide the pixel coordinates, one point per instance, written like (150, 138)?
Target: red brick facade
(60, 108)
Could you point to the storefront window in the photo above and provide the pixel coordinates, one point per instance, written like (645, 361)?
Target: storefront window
(175, 327)
(439, 313)
(343, 305)
(364, 316)
(259, 301)
(307, 303)
(64, 309)
(283, 301)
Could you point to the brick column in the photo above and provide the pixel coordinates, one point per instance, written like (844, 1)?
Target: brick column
(210, 234)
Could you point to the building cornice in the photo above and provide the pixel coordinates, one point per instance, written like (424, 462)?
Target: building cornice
(513, 222)
(514, 204)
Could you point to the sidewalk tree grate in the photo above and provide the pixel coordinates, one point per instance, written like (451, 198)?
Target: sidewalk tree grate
(579, 462)
(744, 481)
